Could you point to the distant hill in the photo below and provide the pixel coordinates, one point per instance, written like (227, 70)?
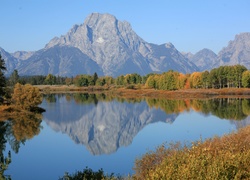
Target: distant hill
(204, 59)
(110, 47)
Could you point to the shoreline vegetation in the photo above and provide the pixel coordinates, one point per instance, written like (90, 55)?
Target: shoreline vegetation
(226, 157)
(140, 91)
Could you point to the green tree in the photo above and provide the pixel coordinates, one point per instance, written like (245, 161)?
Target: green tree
(151, 81)
(14, 77)
(109, 80)
(213, 78)
(83, 80)
(204, 79)
(50, 79)
(101, 81)
(95, 78)
(239, 69)
(4, 160)
(246, 79)
(120, 80)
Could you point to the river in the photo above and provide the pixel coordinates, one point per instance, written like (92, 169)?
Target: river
(98, 131)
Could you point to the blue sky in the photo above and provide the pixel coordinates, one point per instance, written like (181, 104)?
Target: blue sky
(190, 25)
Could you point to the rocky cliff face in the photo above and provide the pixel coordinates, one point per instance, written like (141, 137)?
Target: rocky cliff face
(237, 52)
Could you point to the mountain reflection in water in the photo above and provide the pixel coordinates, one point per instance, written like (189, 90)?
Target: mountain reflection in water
(105, 123)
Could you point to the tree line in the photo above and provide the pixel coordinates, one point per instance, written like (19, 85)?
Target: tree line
(221, 77)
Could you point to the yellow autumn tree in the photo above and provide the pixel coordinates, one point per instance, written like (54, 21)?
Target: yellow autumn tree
(181, 81)
(26, 96)
(196, 80)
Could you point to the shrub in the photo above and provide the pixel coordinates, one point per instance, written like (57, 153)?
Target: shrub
(88, 173)
(26, 96)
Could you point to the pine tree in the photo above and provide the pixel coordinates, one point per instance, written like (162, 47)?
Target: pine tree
(2, 77)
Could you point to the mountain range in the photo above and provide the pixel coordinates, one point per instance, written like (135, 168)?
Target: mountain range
(110, 47)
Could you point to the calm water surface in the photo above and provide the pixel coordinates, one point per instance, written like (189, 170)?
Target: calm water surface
(80, 130)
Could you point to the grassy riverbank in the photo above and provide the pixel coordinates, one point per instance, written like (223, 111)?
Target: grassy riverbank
(141, 91)
(227, 157)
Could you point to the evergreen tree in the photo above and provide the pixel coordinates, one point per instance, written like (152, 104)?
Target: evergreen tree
(95, 77)
(14, 77)
(2, 77)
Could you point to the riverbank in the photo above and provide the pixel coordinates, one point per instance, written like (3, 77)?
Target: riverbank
(140, 91)
(227, 157)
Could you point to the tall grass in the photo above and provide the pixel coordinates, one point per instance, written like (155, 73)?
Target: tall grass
(227, 157)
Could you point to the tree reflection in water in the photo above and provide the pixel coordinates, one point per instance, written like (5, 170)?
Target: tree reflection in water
(16, 126)
(224, 108)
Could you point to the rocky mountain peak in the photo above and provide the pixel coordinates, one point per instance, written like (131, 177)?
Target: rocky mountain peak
(240, 42)
(237, 51)
(94, 20)
(23, 55)
(107, 41)
(169, 45)
(243, 37)
(206, 52)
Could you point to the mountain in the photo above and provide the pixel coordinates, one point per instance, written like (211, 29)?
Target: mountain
(59, 60)
(204, 59)
(117, 49)
(22, 55)
(11, 62)
(187, 55)
(237, 52)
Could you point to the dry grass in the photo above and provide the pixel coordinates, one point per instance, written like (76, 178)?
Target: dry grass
(140, 91)
(71, 88)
